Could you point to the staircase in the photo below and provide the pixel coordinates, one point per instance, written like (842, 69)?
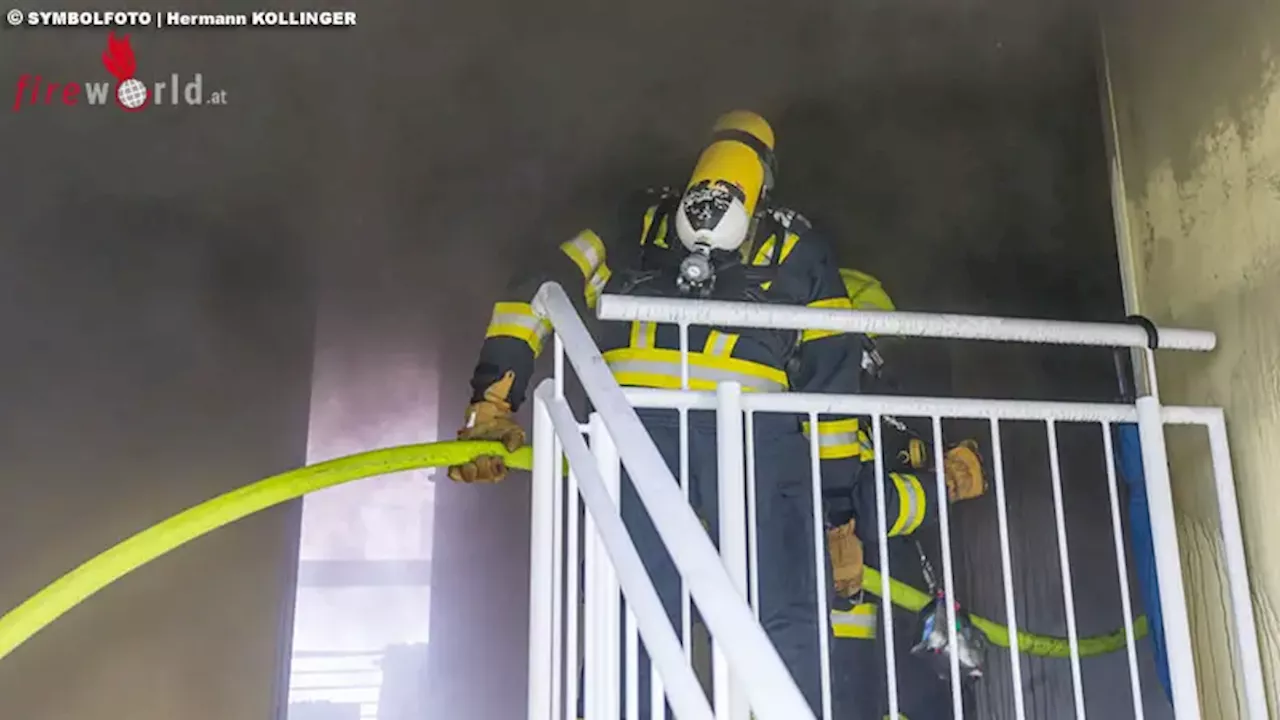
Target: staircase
(593, 606)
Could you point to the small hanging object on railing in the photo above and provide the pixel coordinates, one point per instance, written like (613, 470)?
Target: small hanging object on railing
(933, 640)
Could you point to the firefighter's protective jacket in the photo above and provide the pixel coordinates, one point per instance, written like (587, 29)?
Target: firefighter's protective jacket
(637, 253)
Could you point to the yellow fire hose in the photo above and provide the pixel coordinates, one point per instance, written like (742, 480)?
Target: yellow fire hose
(55, 600)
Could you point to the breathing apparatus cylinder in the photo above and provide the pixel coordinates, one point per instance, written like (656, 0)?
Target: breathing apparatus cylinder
(732, 175)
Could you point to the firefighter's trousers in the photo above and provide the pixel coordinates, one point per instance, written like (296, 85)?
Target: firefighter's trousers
(859, 680)
(788, 600)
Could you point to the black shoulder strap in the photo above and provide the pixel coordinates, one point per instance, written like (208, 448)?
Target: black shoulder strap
(768, 225)
(666, 202)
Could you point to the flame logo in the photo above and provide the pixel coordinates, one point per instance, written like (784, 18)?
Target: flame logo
(119, 59)
(131, 94)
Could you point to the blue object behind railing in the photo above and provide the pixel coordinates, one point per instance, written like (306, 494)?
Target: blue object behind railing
(1129, 461)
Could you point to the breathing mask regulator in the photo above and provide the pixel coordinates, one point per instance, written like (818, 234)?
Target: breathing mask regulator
(933, 641)
(718, 210)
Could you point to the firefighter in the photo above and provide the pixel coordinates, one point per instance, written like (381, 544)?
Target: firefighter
(858, 656)
(719, 237)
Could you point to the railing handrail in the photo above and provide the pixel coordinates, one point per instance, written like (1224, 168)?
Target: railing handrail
(906, 324)
(765, 678)
(921, 406)
(758, 668)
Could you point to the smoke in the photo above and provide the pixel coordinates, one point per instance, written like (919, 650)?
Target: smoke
(163, 271)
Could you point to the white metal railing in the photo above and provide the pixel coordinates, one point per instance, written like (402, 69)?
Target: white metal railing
(747, 671)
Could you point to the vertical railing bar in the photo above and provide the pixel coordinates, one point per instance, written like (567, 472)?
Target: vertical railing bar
(558, 672)
(590, 622)
(886, 586)
(1122, 569)
(1006, 565)
(1255, 693)
(948, 571)
(1064, 564)
(541, 583)
(684, 356)
(657, 695)
(560, 675)
(753, 547)
(610, 631)
(686, 609)
(632, 667)
(573, 614)
(820, 563)
(611, 532)
(730, 701)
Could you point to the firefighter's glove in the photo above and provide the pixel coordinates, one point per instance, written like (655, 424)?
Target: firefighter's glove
(963, 469)
(489, 419)
(846, 559)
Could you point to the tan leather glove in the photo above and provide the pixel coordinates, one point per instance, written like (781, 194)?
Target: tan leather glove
(962, 466)
(489, 419)
(846, 559)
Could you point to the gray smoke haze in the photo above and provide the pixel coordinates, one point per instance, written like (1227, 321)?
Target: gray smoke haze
(162, 272)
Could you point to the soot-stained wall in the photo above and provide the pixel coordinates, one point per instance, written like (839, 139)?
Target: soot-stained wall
(1197, 119)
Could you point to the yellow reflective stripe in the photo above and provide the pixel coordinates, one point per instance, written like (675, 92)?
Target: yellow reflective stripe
(643, 334)
(517, 320)
(596, 284)
(835, 303)
(762, 255)
(643, 367)
(720, 344)
(586, 251)
(867, 449)
(858, 622)
(648, 220)
(911, 504)
(787, 246)
(660, 238)
(837, 439)
(811, 335)
(829, 427)
(766, 250)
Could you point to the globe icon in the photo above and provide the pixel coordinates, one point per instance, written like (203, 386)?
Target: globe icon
(132, 94)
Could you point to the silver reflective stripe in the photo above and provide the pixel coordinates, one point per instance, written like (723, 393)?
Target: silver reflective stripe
(589, 249)
(837, 438)
(863, 622)
(910, 497)
(596, 283)
(718, 344)
(644, 334)
(715, 375)
(524, 320)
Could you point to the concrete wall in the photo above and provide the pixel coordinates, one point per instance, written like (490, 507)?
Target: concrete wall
(1196, 91)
